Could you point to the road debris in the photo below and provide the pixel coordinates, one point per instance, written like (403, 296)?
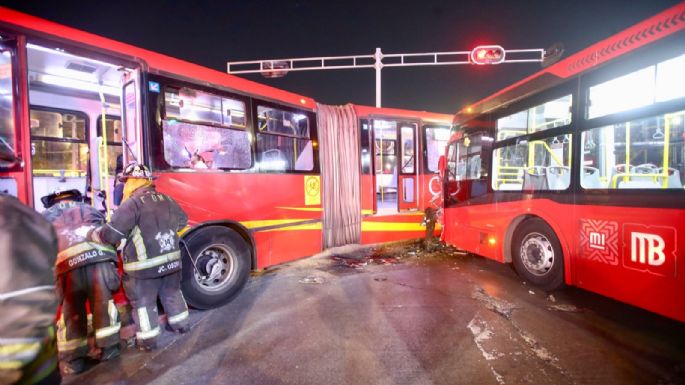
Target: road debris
(565, 308)
(481, 333)
(312, 279)
(499, 306)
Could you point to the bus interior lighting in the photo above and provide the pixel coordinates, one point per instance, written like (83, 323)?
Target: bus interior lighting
(77, 84)
(62, 52)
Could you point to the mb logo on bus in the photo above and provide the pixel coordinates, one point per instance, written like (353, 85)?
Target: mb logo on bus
(649, 248)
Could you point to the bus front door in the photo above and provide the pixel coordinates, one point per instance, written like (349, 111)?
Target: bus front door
(12, 178)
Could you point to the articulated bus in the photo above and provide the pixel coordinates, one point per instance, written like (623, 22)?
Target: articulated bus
(575, 174)
(266, 176)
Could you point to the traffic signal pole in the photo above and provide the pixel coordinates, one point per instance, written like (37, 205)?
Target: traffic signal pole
(481, 55)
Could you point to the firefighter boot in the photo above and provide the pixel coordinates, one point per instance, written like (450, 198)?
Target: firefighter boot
(78, 365)
(110, 353)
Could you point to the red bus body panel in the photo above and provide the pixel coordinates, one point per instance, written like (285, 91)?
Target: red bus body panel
(269, 205)
(627, 245)
(611, 271)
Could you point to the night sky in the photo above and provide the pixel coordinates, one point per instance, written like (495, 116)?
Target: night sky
(211, 33)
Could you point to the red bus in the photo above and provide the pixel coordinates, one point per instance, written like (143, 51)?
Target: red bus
(266, 176)
(575, 174)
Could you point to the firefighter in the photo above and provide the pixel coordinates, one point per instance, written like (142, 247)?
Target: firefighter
(86, 273)
(28, 249)
(149, 222)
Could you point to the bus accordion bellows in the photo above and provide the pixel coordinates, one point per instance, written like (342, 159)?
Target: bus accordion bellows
(267, 176)
(575, 174)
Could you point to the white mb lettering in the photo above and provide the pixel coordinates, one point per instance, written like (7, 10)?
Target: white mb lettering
(647, 248)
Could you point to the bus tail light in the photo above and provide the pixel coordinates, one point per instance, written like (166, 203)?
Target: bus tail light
(488, 239)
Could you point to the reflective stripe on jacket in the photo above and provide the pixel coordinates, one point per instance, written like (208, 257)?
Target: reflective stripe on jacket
(28, 248)
(149, 221)
(72, 220)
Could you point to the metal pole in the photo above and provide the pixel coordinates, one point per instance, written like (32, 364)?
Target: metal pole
(378, 65)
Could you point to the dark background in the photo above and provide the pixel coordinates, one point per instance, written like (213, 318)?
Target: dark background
(211, 33)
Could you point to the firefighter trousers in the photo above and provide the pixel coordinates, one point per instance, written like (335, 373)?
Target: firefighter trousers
(29, 361)
(93, 284)
(142, 293)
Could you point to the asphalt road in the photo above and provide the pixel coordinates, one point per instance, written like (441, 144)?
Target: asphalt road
(402, 316)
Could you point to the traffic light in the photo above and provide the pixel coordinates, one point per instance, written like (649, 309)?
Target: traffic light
(487, 54)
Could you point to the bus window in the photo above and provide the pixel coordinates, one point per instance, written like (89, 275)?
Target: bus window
(436, 140)
(131, 120)
(190, 105)
(512, 125)
(543, 164)
(629, 91)
(468, 159)
(58, 143)
(283, 140)
(554, 113)
(408, 160)
(204, 131)
(365, 146)
(188, 145)
(508, 164)
(657, 83)
(114, 132)
(6, 110)
(645, 153)
(670, 79)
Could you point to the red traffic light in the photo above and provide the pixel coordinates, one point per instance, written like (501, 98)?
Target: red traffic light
(487, 54)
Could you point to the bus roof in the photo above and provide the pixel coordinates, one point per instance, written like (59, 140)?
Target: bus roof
(23, 23)
(665, 23)
(432, 117)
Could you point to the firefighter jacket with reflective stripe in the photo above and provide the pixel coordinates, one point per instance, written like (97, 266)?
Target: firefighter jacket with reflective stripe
(72, 221)
(149, 221)
(28, 247)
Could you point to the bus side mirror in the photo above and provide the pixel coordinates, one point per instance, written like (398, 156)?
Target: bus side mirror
(442, 164)
(7, 158)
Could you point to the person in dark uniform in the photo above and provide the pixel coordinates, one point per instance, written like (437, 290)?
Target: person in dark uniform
(86, 273)
(28, 249)
(149, 221)
(118, 193)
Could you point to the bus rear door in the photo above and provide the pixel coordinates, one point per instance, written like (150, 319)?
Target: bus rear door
(407, 178)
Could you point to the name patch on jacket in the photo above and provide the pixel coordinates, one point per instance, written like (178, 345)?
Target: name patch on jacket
(83, 254)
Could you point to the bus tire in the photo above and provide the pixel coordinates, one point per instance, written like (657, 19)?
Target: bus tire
(537, 254)
(219, 268)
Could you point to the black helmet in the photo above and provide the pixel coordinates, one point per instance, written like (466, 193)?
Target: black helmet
(58, 196)
(136, 170)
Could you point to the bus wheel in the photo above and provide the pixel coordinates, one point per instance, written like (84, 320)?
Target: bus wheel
(537, 255)
(216, 269)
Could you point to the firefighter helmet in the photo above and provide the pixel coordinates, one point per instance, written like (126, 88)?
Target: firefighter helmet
(58, 196)
(137, 171)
